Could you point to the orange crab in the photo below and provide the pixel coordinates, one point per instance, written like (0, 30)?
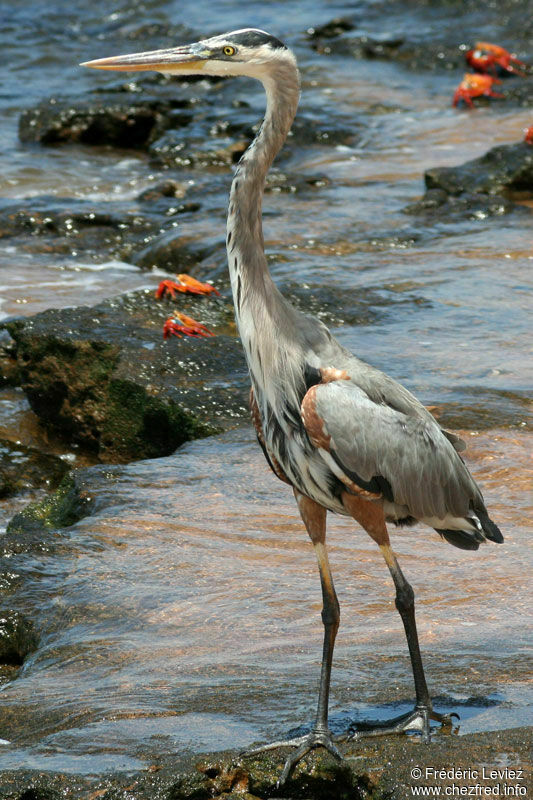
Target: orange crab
(486, 57)
(184, 284)
(474, 86)
(528, 139)
(181, 325)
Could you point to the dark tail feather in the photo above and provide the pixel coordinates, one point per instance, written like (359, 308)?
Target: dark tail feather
(490, 530)
(470, 540)
(464, 540)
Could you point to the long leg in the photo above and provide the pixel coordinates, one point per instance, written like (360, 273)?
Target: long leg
(314, 518)
(371, 517)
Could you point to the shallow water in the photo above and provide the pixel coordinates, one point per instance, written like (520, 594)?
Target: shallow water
(184, 615)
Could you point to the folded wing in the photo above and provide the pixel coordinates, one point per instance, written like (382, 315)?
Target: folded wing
(406, 457)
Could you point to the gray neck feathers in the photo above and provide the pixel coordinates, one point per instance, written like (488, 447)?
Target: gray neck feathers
(262, 314)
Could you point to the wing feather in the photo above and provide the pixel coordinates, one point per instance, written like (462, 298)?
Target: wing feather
(406, 447)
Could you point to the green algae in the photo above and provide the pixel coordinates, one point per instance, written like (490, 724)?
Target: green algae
(62, 508)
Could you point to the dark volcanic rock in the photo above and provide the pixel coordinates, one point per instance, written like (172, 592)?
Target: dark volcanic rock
(281, 182)
(128, 122)
(104, 378)
(485, 186)
(8, 363)
(343, 36)
(58, 226)
(384, 768)
(54, 225)
(337, 305)
(520, 92)
(331, 29)
(506, 169)
(175, 253)
(217, 144)
(308, 129)
(17, 638)
(22, 468)
(175, 151)
(427, 36)
(68, 504)
(166, 198)
(471, 206)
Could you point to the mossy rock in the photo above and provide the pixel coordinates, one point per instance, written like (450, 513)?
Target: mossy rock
(104, 378)
(60, 509)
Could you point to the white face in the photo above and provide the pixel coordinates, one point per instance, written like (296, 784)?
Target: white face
(244, 52)
(236, 54)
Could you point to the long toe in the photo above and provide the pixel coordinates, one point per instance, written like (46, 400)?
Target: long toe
(416, 721)
(303, 744)
(446, 720)
(264, 748)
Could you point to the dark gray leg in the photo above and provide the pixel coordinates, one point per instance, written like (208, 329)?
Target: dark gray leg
(419, 718)
(405, 603)
(314, 517)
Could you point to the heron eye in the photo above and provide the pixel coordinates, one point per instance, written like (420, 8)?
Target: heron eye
(228, 50)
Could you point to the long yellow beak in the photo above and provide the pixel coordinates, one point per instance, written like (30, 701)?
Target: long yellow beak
(176, 59)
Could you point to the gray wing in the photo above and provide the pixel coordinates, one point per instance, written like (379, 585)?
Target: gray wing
(371, 440)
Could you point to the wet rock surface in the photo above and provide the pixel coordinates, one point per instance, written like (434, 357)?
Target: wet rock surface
(372, 770)
(130, 123)
(506, 169)
(175, 253)
(104, 378)
(67, 226)
(23, 468)
(182, 125)
(62, 508)
(487, 186)
(441, 47)
(179, 123)
(17, 638)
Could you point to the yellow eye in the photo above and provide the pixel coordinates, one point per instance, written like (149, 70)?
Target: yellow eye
(228, 50)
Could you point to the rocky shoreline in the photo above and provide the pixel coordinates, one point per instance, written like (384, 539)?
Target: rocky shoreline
(102, 379)
(387, 769)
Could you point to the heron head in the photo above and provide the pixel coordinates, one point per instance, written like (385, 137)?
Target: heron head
(244, 52)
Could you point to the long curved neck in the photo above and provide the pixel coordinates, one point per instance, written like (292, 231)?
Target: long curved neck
(257, 301)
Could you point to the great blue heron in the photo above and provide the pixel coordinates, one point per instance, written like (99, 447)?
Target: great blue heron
(345, 436)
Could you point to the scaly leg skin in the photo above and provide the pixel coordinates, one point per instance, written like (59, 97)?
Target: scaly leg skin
(419, 719)
(314, 517)
(303, 744)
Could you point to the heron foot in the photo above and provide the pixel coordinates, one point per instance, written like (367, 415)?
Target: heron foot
(417, 721)
(318, 737)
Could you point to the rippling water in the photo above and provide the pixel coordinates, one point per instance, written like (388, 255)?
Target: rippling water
(184, 615)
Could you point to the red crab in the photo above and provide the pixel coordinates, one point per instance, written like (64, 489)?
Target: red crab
(529, 135)
(485, 57)
(185, 284)
(473, 86)
(181, 325)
